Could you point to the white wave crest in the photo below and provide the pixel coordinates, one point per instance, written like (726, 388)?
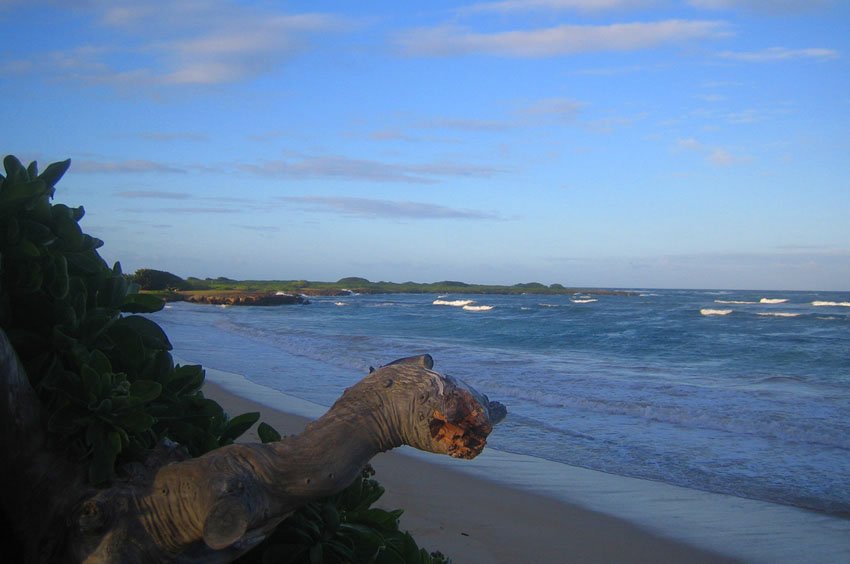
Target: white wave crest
(453, 303)
(584, 301)
(709, 311)
(773, 300)
(831, 304)
(733, 302)
(340, 304)
(477, 308)
(778, 314)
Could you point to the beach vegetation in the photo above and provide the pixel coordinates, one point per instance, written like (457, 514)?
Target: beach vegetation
(152, 279)
(104, 374)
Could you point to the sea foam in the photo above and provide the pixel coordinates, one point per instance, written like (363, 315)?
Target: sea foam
(477, 307)
(778, 314)
(453, 303)
(773, 300)
(831, 304)
(584, 301)
(733, 302)
(709, 311)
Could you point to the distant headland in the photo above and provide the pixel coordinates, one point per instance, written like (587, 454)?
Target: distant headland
(227, 291)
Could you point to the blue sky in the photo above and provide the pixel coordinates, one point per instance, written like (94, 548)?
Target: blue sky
(619, 143)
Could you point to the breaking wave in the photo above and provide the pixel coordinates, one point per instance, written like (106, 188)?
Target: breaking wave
(477, 307)
(709, 311)
(831, 304)
(584, 301)
(773, 300)
(453, 303)
(778, 314)
(733, 302)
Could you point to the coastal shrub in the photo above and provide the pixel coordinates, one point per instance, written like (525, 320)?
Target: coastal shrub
(151, 279)
(109, 384)
(104, 373)
(341, 529)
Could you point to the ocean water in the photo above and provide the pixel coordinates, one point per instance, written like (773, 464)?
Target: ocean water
(734, 392)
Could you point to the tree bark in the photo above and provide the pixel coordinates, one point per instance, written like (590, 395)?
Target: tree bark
(216, 507)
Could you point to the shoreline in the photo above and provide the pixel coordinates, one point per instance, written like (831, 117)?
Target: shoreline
(467, 517)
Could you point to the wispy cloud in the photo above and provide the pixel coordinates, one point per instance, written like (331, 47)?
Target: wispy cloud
(373, 208)
(560, 108)
(188, 210)
(509, 6)
(260, 228)
(717, 156)
(773, 54)
(166, 136)
(334, 166)
(449, 40)
(128, 166)
(187, 43)
(767, 6)
(155, 195)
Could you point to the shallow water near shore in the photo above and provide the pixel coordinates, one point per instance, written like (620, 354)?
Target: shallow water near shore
(753, 402)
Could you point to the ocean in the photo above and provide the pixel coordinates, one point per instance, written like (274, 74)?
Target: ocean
(744, 393)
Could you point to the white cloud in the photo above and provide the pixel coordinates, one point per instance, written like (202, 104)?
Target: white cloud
(773, 54)
(346, 168)
(185, 43)
(371, 208)
(770, 6)
(128, 166)
(557, 107)
(555, 5)
(154, 194)
(560, 40)
(717, 156)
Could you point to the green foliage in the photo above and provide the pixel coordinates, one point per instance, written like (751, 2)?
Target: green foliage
(343, 528)
(104, 373)
(150, 279)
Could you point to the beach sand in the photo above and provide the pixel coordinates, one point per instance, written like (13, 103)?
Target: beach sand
(475, 520)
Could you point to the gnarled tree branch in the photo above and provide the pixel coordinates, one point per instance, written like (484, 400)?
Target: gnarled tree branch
(215, 507)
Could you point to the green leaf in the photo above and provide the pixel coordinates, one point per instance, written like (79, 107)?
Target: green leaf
(103, 460)
(58, 283)
(152, 334)
(136, 421)
(145, 390)
(238, 425)
(54, 172)
(267, 433)
(100, 363)
(142, 303)
(187, 379)
(92, 381)
(20, 192)
(13, 167)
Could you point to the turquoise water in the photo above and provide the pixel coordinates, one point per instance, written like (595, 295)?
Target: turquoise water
(743, 393)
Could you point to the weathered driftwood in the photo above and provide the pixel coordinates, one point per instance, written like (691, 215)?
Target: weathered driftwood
(216, 507)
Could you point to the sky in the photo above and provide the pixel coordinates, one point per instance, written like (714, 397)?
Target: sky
(607, 143)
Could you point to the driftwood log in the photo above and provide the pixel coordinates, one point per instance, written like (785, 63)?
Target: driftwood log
(215, 507)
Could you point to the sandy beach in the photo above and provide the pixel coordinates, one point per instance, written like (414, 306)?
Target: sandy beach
(476, 520)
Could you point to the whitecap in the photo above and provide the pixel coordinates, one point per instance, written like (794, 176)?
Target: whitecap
(733, 302)
(773, 300)
(584, 301)
(708, 311)
(340, 304)
(831, 304)
(477, 307)
(453, 303)
(778, 314)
